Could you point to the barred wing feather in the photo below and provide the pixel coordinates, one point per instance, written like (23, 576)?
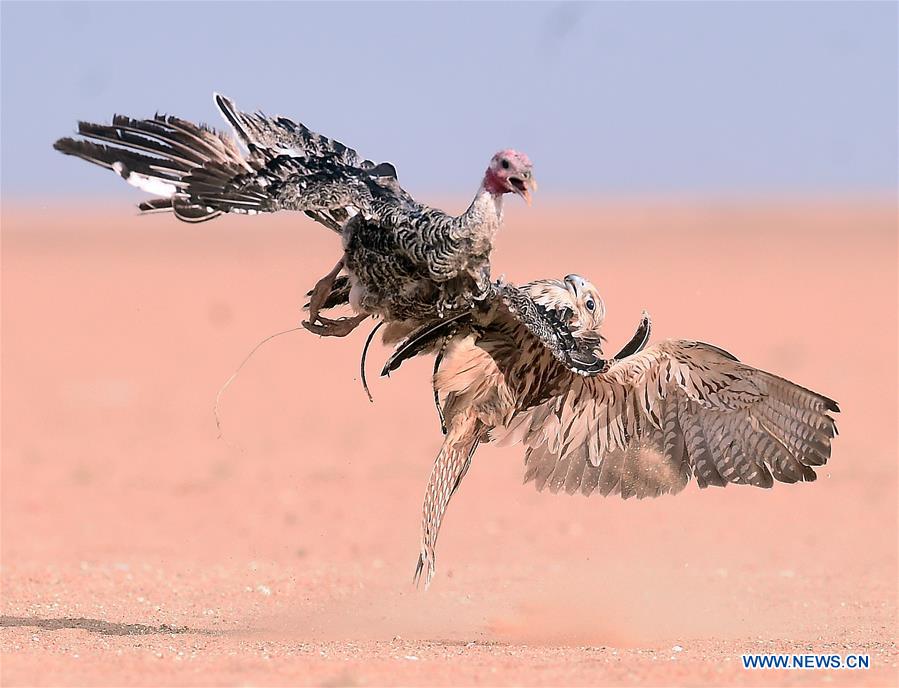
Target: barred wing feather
(678, 409)
(282, 136)
(200, 174)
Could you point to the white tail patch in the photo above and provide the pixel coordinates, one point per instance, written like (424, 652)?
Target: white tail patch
(151, 185)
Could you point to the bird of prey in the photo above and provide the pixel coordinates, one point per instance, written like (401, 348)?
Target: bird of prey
(405, 261)
(640, 424)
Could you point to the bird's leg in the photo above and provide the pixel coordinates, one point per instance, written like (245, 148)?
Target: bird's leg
(339, 296)
(321, 291)
(449, 468)
(318, 299)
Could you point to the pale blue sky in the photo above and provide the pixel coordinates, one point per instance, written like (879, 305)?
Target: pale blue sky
(607, 98)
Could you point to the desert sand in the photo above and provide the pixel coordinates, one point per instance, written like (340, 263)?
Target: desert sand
(139, 548)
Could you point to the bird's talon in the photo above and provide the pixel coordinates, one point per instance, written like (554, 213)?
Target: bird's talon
(327, 327)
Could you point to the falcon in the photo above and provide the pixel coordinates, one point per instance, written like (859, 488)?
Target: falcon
(640, 424)
(405, 261)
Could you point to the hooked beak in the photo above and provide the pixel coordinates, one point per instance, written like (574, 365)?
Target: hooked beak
(574, 283)
(524, 186)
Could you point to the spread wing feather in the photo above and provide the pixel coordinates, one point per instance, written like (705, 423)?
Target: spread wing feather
(282, 136)
(200, 173)
(676, 410)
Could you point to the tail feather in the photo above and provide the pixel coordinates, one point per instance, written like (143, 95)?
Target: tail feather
(194, 171)
(201, 137)
(108, 156)
(150, 174)
(187, 211)
(198, 173)
(148, 138)
(156, 205)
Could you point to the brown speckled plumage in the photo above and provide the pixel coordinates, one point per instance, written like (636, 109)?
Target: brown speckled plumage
(641, 426)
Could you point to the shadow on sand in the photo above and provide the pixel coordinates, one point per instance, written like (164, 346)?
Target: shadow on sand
(96, 626)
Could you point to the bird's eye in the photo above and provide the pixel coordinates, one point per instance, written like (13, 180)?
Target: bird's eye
(505, 164)
(590, 305)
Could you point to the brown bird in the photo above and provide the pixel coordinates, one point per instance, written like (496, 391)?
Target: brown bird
(640, 424)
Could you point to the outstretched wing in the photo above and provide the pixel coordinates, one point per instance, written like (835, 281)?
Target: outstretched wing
(282, 136)
(678, 409)
(200, 174)
(322, 177)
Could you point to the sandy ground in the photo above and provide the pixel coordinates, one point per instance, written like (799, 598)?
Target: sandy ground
(140, 549)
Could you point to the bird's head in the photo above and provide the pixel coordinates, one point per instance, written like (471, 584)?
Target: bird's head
(510, 172)
(589, 311)
(576, 301)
